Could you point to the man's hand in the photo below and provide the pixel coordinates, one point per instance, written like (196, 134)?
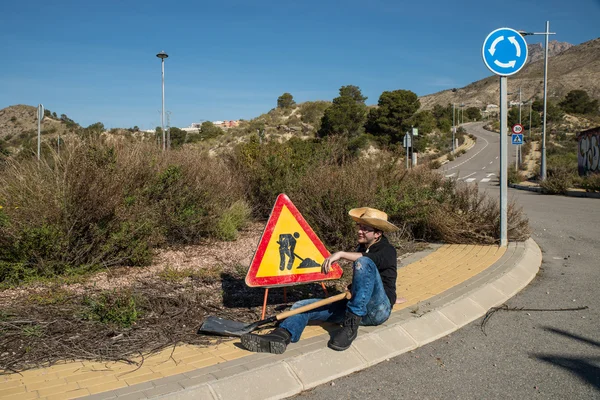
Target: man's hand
(326, 266)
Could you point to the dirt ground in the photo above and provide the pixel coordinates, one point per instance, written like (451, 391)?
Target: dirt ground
(125, 313)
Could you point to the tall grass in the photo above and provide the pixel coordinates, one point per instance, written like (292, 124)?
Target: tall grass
(98, 205)
(325, 184)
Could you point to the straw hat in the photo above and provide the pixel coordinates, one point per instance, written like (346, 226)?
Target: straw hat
(373, 218)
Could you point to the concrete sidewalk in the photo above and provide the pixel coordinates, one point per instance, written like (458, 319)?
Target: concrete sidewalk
(445, 289)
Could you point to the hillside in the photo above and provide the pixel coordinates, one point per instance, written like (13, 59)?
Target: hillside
(577, 67)
(536, 51)
(19, 119)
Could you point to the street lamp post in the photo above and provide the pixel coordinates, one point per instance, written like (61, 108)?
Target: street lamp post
(162, 55)
(547, 33)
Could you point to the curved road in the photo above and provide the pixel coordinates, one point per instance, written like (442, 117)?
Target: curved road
(481, 164)
(522, 354)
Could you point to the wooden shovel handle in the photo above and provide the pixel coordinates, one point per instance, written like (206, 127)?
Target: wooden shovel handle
(312, 306)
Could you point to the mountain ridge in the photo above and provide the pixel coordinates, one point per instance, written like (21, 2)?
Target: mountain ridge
(572, 67)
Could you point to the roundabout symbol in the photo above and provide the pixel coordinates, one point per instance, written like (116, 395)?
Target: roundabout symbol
(504, 51)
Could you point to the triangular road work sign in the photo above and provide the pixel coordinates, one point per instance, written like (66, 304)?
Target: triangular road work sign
(289, 252)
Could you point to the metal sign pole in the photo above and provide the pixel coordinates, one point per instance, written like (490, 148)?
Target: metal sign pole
(406, 141)
(504, 52)
(503, 161)
(39, 137)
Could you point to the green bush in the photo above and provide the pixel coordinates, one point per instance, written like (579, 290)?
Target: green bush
(557, 184)
(232, 220)
(513, 175)
(450, 157)
(98, 206)
(435, 164)
(590, 183)
(112, 307)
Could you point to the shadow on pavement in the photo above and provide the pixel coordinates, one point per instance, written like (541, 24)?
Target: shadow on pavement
(586, 368)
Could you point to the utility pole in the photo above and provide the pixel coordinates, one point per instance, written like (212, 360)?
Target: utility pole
(453, 127)
(543, 150)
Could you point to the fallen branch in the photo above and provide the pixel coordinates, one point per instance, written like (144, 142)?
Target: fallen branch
(504, 307)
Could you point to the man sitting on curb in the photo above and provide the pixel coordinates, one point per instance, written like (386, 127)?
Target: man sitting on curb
(373, 290)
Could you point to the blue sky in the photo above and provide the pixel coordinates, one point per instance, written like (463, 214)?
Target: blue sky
(230, 59)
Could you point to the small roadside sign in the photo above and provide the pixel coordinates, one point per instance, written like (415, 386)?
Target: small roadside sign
(289, 251)
(40, 112)
(517, 128)
(407, 140)
(517, 138)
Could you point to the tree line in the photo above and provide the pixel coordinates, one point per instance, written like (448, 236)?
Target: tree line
(397, 111)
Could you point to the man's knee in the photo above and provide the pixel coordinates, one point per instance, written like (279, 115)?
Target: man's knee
(363, 263)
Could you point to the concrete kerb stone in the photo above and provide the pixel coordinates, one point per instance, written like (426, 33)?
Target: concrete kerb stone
(570, 192)
(291, 375)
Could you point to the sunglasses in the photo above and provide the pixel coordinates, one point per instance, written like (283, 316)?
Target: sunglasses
(364, 228)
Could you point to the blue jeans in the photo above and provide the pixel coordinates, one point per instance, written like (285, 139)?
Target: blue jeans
(368, 301)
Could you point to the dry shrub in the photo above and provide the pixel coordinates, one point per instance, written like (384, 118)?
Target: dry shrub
(427, 206)
(591, 183)
(99, 205)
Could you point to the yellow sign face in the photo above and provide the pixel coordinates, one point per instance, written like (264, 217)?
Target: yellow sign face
(289, 247)
(289, 252)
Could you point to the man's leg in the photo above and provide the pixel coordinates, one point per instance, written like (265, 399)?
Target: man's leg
(369, 304)
(364, 278)
(379, 307)
(290, 330)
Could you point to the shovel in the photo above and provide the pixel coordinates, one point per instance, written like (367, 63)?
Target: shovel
(307, 262)
(226, 327)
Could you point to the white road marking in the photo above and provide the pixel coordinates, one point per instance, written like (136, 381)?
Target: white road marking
(466, 176)
(488, 175)
(470, 180)
(469, 159)
(491, 162)
(485, 180)
(452, 174)
(483, 168)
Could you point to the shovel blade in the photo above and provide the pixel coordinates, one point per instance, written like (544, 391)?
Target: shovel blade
(225, 327)
(309, 263)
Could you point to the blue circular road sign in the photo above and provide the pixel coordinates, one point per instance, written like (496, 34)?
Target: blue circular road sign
(504, 51)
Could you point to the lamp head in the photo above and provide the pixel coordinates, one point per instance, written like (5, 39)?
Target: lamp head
(162, 55)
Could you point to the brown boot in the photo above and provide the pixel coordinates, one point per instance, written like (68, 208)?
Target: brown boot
(345, 336)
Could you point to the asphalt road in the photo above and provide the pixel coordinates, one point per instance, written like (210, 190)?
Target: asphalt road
(522, 354)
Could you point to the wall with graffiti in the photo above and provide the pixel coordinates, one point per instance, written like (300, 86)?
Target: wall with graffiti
(589, 151)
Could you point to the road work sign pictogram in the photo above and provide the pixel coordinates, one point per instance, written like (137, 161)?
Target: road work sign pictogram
(289, 251)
